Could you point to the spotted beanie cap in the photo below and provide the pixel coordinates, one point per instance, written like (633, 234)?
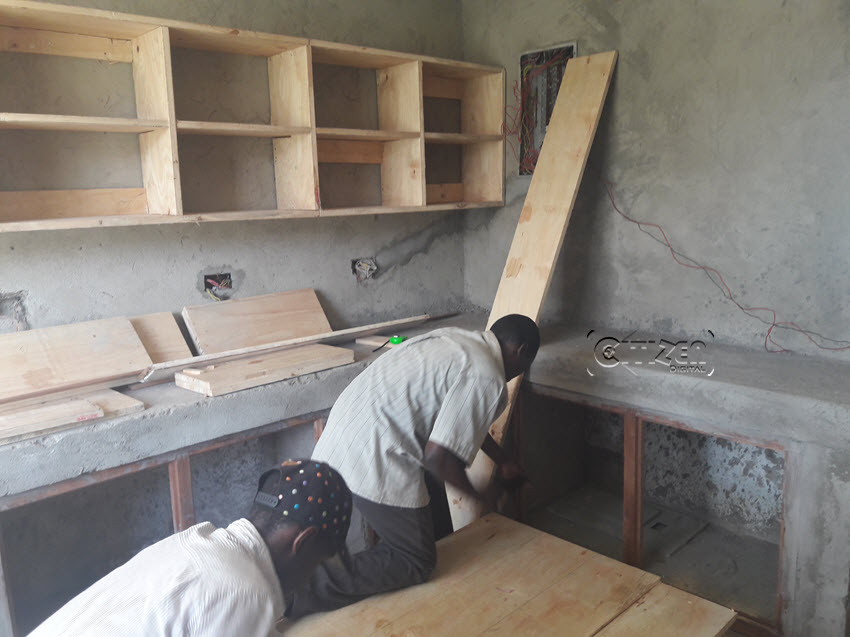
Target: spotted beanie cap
(309, 493)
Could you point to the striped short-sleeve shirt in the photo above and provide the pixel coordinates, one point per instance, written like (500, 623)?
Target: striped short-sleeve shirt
(447, 387)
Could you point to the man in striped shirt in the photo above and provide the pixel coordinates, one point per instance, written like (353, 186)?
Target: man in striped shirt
(424, 406)
(209, 582)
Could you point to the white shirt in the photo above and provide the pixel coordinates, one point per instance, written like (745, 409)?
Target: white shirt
(203, 581)
(447, 387)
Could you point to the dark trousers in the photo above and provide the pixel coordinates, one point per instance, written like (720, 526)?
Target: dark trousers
(404, 555)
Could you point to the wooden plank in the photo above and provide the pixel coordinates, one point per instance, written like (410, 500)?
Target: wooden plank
(182, 500)
(403, 174)
(225, 378)
(7, 609)
(363, 134)
(483, 166)
(632, 489)
(37, 362)
(442, 87)
(153, 83)
(543, 221)
(161, 337)
(668, 612)
(162, 371)
(78, 123)
(581, 603)
(291, 100)
(357, 56)
(481, 110)
(454, 69)
(62, 204)
(436, 193)
(228, 129)
(334, 151)
(34, 41)
(257, 320)
(400, 97)
(460, 138)
(23, 422)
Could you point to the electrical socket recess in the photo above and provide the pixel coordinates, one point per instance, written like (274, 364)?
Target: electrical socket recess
(218, 285)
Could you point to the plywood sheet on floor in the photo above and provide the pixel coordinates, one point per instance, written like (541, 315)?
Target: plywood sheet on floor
(497, 576)
(37, 362)
(236, 375)
(257, 320)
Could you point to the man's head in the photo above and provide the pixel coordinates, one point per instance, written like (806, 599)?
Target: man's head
(302, 510)
(519, 338)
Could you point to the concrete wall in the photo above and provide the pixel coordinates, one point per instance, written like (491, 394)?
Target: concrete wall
(72, 276)
(726, 124)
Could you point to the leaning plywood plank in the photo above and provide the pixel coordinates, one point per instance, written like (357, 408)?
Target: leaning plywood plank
(37, 362)
(262, 370)
(257, 320)
(543, 224)
(668, 612)
(161, 337)
(19, 423)
(162, 371)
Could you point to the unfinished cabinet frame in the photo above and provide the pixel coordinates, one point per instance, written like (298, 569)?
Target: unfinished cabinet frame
(398, 145)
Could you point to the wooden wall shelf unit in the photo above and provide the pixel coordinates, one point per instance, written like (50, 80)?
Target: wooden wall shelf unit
(402, 144)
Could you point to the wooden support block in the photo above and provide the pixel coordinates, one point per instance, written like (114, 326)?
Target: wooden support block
(256, 320)
(442, 87)
(182, 500)
(339, 151)
(632, 489)
(668, 612)
(403, 174)
(70, 357)
(20, 422)
(161, 337)
(442, 193)
(65, 44)
(155, 100)
(291, 101)
(24, 205)
(544, 218)
(232, 376)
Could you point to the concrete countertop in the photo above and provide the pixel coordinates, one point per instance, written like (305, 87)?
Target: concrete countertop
(176, 418)
(771, 399)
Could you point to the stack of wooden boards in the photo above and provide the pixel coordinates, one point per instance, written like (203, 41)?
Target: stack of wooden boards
(58, 377)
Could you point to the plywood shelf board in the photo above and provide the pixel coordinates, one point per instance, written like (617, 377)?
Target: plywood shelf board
(34, 41)
(161, 337)
(20, 423)
(258, 320)
(228, 129)
(38, 362)
(32, 121)
(228, 377)
(355, 134)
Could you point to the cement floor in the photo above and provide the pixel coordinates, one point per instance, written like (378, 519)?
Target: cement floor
(689, 553)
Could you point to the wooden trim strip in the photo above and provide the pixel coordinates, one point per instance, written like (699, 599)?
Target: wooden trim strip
(632, 489)
(338, 151)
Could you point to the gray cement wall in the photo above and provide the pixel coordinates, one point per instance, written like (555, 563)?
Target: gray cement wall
(726, 124)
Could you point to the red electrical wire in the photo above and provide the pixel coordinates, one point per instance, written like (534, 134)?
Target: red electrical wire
(768, 338)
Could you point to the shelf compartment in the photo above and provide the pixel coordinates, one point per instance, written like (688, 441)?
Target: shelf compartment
(458, 100)
(30, 121)
(229, 129)
(477, 166)
(30, 205)
(355, 134)
(459, 138)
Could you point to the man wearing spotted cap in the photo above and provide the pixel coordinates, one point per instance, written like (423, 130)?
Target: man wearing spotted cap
(212, 582)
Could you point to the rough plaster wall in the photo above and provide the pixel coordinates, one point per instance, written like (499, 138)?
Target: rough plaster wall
(726, 123)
